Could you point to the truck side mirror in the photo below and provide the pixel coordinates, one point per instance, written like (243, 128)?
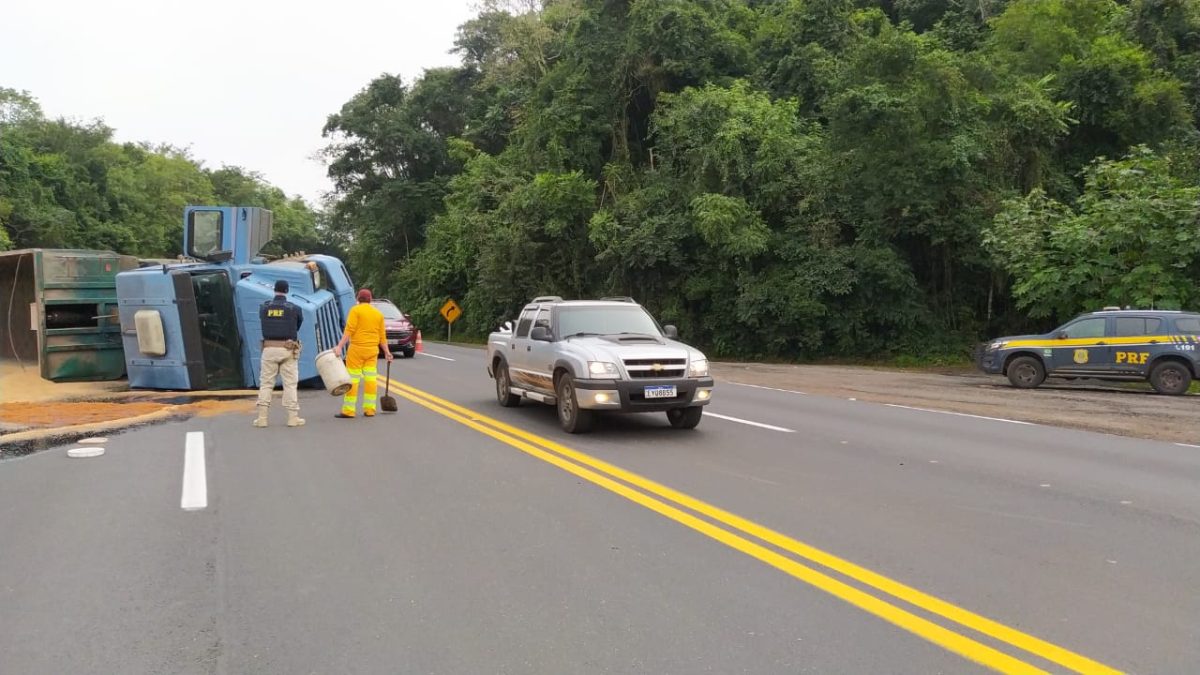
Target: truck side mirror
(1062, 335)
(541, 334)
(671, 332)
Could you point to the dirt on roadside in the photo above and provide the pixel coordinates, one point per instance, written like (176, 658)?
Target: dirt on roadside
(58, 414)
(1084, 404)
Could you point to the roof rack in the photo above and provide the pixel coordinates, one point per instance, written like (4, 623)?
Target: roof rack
(619, 298)
(548, 298)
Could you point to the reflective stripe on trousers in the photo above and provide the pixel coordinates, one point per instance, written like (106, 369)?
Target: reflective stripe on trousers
(361, 364)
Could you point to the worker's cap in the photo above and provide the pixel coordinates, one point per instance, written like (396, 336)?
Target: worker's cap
(364, 295)
(281, 286)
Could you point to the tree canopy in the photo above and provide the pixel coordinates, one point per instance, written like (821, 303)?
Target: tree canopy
(788, 178)
(66, 184)
(780, 178)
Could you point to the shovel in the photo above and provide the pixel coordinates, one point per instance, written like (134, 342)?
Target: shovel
(388, 402)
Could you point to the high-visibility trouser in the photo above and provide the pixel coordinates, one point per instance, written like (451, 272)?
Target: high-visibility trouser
(362, 364)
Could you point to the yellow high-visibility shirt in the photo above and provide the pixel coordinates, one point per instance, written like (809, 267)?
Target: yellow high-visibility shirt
(365, 326)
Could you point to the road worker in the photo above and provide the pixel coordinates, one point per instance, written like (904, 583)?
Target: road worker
(280, 322)
(366, 335)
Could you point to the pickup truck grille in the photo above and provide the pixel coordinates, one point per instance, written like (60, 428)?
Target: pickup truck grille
(647, 368)
(398, 334)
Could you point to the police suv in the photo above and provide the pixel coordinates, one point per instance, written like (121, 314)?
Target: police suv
(1114, 344)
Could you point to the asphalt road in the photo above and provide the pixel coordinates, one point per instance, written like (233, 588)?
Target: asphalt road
(791, 534)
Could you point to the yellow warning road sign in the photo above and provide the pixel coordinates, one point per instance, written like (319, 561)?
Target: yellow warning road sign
(451, 311)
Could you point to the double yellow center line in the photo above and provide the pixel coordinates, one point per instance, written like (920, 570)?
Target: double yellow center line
(741, 534)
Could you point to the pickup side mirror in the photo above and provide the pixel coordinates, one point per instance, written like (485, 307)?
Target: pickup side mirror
(671, 332)
(1062, 335)
(541, 334)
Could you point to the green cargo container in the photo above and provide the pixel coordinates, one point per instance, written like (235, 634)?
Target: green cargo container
(58, 309)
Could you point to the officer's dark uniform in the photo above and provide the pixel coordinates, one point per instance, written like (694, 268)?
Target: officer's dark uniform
(281, 321)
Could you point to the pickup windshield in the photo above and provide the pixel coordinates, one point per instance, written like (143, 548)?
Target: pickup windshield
(605, 321)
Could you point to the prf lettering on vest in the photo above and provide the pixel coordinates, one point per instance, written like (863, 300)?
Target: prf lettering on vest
(274, 313)
(1133, 358)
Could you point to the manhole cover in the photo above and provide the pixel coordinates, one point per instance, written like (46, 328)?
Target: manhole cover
(93, 441)
(93, 451)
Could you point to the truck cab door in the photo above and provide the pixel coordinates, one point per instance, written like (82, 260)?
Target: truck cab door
(220, 342)
(1083, 348)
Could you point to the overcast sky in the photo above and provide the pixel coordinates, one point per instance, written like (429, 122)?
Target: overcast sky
(241, 82)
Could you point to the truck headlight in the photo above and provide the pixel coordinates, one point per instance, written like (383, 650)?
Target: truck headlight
(699, 368)
(603, 369)
(998, 344)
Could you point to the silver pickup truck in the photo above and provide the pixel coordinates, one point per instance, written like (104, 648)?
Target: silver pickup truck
(586, 356)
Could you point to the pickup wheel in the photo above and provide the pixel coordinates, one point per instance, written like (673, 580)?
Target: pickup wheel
(685, 418)
(504, 387)
(572, 419)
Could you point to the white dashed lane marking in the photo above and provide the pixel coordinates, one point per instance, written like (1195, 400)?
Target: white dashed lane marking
(195, 479)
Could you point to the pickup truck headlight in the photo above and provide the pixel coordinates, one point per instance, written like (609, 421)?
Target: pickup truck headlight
(603, 369)
(998, 344)
(699, 368)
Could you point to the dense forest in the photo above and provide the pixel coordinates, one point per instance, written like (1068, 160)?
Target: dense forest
(789, 178)
(780, 178)
(67, 184)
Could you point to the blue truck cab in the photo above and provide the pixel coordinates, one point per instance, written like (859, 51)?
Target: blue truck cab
(194, 324)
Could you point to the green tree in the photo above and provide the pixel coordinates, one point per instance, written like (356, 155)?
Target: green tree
(1131, 239)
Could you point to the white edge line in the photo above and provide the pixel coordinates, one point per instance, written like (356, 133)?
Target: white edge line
(753, 424)
(958, 414)
(195, 481)
(1187, 445)
(756, 386)
(444, 358)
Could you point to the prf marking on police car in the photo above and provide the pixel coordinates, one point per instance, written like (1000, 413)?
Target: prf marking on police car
(1138, 358)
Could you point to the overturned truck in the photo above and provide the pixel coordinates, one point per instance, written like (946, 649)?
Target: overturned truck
(194, 324)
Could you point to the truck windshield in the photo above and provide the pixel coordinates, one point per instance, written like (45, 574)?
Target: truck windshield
(605, 321)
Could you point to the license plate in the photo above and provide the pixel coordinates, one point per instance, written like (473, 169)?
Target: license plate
(665, 391)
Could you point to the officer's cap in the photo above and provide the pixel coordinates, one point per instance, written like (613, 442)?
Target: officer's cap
(281, 286)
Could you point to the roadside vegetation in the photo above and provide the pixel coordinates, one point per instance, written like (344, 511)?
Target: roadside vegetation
(860, 179)
(885, 180)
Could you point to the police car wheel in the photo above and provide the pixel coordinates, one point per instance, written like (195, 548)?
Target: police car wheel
(1170, 377)
(1026, 372)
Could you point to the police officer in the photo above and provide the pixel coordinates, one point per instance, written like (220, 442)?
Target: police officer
(281, 322)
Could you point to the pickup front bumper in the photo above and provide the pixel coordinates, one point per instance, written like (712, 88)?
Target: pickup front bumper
(630, 395)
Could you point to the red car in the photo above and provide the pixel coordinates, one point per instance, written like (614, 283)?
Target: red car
(401, 334)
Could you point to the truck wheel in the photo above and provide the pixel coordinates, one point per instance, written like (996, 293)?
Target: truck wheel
(1170, 377)
(570, 416)
(685, 418)
(504, 387)
(1026, 372)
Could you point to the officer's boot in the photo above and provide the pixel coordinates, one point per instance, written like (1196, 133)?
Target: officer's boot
(294, 419)
(263, 412)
